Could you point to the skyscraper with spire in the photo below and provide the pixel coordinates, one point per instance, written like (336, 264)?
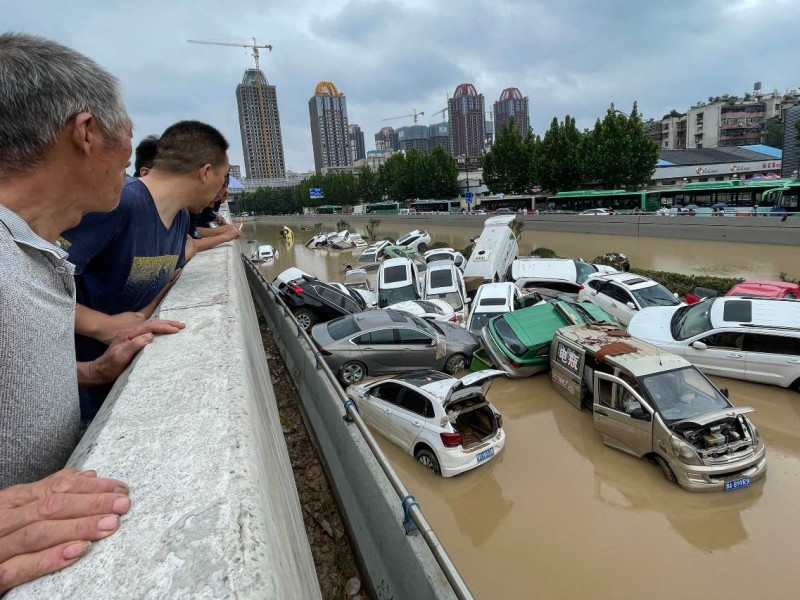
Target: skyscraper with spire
(260, 125)
(330, 135)
(467, 124)
(513, 106)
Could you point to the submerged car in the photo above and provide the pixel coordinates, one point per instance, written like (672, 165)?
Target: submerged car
(654, 404)
(444, 281)
(398, 280)
(766, 289)
(417, 239)
(755, 339)
(446, 424)
(494, 299)
(450, 254)
(559, 274)
(431, 310)
(312, 301)
(622, 295)
(378, 342)
(373, 254)
(519, 342)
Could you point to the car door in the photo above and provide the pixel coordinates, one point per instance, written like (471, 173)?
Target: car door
(772, 359)
(382, 400)
(718, 353)
(407, 419)
(379, 350)
(597, 293)
(418, 350)
(620, 430)
(618, 300)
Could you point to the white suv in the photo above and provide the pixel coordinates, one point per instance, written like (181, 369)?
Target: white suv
(755, 339)
(398, 280)
(417, 239)
(444, 281)
(622, 295)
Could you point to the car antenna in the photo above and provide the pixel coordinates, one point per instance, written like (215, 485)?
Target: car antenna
(658, 355)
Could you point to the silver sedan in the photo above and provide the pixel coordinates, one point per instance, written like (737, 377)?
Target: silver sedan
(379, 342)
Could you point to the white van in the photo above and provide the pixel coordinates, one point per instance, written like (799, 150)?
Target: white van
(408, 211)
(494, 251)
(266, 252)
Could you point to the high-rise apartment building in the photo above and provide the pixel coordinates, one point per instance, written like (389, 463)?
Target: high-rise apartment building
(357, 147)
(670, 132)
(386, 139)
(439, 135)
(413, 136)
(260, 126)
(330, 135)
(514, 106)
(791, 153)
(236, 171)
(466, 110)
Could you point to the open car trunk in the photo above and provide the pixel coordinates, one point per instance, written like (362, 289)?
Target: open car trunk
(474, 419)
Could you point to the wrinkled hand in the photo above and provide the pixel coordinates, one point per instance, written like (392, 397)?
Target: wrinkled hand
(124, 348)
(231, 232)
(220, 220)
(48, 525)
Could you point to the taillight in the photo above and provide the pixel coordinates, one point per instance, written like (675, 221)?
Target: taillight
(514, 363)
(451, 440)
(322, 350)
(453, 319)
(295, 288)
(499, 421)
(580, 287)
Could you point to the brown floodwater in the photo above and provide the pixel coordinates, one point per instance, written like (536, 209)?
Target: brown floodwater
(559, 515)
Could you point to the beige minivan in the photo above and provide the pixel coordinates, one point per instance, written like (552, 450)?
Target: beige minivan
(656, 405)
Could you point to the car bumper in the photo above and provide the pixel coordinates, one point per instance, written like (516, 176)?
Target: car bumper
(454, 461)
(501, 361)
(714, 478)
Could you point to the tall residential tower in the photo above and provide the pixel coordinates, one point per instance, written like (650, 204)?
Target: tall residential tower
(466, 110)
(260, 126)
(330, 135)
(512, 105)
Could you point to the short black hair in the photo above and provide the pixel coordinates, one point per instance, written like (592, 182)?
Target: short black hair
(188, 145)
(145, 154)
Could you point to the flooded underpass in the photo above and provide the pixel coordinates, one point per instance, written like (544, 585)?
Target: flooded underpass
(559, 515)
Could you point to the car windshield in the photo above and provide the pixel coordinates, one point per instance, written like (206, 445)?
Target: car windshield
(583, 270)
(452, 298)
(691, 320)
(655, 295)
(367, 257)
(683, 394)
(395, 274)
(508, 337)
(441, 278)
(479, 319)
(388, 296)
(429, 328)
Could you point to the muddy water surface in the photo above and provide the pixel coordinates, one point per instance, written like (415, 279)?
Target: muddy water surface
(559, 515)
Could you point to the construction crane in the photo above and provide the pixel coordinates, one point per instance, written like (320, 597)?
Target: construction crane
(442, 112)
(262, 116)
(414, 114)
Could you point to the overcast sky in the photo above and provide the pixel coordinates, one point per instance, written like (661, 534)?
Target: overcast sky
(390, 57)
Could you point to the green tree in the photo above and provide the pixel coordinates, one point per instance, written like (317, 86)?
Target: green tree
(442, 173)
(557, 161)
(368, 189)
(773, 134)
(506, 167)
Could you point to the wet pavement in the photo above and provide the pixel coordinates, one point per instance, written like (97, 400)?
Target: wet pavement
(559, 515)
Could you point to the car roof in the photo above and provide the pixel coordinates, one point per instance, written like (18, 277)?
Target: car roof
(762, 287)
(535, 325)
(645, 360)
(631, 281)
(379, 318)
(503, 289)
(548, 269)
(768, 313)
(393, 262)
(431, 306)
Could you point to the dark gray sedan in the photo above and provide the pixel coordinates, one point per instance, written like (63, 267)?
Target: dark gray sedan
(378, 342)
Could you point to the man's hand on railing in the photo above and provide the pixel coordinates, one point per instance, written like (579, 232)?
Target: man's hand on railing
(48, 525)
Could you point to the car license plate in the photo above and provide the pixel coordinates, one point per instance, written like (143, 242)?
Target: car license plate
(737, 483)
(489, 453)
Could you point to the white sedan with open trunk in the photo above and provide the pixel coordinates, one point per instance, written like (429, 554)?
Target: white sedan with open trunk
(446, 423)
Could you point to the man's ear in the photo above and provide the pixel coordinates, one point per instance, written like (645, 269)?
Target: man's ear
(204, 172)
(84, 134)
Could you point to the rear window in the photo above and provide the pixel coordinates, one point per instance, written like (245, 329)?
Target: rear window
(739, 311)
(395, 274)
(441, 278)
(341, 328)
(429, 307)
(492, 302)
(508, 337)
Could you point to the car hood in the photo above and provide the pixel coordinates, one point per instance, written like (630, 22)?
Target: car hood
(712, 417)
(653, 324)
(456, 333)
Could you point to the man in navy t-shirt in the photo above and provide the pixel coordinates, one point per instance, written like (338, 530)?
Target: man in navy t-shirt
(125, 259)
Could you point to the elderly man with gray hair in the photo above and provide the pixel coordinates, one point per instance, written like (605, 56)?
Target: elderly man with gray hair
(64, 147)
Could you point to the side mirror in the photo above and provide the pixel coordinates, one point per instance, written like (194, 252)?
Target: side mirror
(640, 414)
(630, 305)
(468, 300)
(724, 391)
(698, 345)
(675, 294)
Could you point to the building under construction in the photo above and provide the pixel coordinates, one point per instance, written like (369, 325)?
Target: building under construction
(260, 125)
(330, 134)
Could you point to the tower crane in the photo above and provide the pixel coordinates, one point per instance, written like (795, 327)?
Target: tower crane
(414, 114)
(261, 113)
(442, 112)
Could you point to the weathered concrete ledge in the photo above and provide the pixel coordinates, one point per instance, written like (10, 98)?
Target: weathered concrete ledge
(193, 428)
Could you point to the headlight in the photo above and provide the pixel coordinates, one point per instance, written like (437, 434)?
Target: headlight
(756, 434)
(684, 452)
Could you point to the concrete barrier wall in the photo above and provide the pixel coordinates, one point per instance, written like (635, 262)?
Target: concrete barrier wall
(193, 428)
(399, 566)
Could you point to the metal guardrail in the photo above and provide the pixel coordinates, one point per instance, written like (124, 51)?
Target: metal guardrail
(414, 521)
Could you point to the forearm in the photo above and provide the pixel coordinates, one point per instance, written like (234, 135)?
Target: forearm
(90, 376)
(209, 232)
(94, 324)
(208, 243)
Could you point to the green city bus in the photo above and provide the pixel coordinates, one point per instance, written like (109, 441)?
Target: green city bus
(733, 193)
(785, 199)
(329, 209)
(436, 206)
(619, 201)
(383, 208)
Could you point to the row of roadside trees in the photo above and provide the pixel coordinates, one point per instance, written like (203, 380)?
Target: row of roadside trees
(616, 153)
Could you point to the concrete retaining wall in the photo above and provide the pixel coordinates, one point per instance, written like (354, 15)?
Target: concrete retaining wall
(193, 428)
(399, 566)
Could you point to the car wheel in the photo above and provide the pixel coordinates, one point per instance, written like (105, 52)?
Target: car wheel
(305, 317)
(456, 363)
(666, 469)
(428, 460)
(422, 248)
(352, 372)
